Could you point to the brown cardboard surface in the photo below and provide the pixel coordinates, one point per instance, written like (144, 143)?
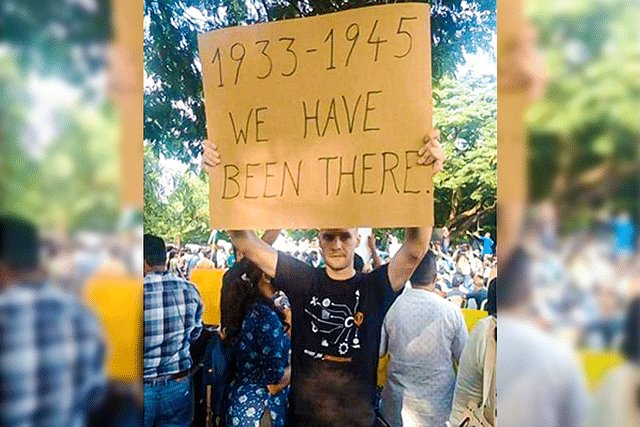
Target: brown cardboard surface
(513, 98)
(125, 88)
(366, 75)
(512, 101)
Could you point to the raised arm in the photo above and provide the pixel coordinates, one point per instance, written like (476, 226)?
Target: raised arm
(409, 256)
(417, 239)
(270, 236)
(375, 257)
(256, 250)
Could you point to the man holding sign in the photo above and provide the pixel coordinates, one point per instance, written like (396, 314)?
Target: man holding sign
(337, 313)
(320, 121)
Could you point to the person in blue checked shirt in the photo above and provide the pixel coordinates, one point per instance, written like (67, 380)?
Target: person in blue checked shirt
(51, 348)
(172, 321)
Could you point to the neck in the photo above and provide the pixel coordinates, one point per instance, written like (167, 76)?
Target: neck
(8, 278)
(266, 289)
(429, 288)
(522, 311)
(154, 269)
(343, 274)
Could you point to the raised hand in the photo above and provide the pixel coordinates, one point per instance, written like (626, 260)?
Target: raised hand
(432, 152)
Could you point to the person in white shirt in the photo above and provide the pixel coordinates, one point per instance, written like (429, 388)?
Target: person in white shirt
(425, 335)
(476, 381)
(540, 382)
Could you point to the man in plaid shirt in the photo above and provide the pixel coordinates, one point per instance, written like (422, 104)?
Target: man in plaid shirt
(51, 347)
(172, 321)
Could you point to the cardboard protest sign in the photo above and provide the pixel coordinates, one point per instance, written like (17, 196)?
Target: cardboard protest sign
(319, 120)
(514, 80)
(513, 88)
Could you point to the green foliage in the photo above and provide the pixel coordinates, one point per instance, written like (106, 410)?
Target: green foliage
(80, 172)
(174, 121)
(184, 212)
(57, 37)
(15, 184)
(174, 116)
(72, 183)
(584, 132)
(465, 111)
(302, 234)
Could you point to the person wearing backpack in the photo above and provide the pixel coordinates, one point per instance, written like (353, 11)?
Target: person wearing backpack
(257, 332)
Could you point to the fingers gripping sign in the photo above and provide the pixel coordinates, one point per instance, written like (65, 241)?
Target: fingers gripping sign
(210, 156)
(432, 152)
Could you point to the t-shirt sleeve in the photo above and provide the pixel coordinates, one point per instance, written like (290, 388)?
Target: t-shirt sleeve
(380, 279)
(292, 275)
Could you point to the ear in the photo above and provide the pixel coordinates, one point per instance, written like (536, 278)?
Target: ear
(357, 234)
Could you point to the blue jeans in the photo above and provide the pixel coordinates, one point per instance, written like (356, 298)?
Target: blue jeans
(168, 404)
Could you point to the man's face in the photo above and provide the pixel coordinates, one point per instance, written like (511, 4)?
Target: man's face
(338, 247)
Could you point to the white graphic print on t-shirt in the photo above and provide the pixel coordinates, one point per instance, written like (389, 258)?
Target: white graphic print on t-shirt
(337, 325)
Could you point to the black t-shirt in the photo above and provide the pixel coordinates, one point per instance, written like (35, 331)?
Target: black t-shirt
(335, 341)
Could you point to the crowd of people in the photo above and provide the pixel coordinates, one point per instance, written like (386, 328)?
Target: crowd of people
(55, 367)
(438, 372)
(317, 365)
(463, 270)
(583, 282)
(257, 322)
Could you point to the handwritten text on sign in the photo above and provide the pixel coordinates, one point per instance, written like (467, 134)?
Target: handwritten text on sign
(319, 120)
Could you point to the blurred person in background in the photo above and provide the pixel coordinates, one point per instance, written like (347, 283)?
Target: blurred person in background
(463, 266)
(221, 257)
(475, 260)
(446, 240)
(475, 390)
(605, 330)
(487, 266)
(376, 261)
(172, 321)
(190, 261)
(51, 347)
(625, 234)
(425, 335)
(478, 293)
(540, 382)
(205, 260)
(487, 243)
(172, 263)
(617, 403)
(182, 260)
